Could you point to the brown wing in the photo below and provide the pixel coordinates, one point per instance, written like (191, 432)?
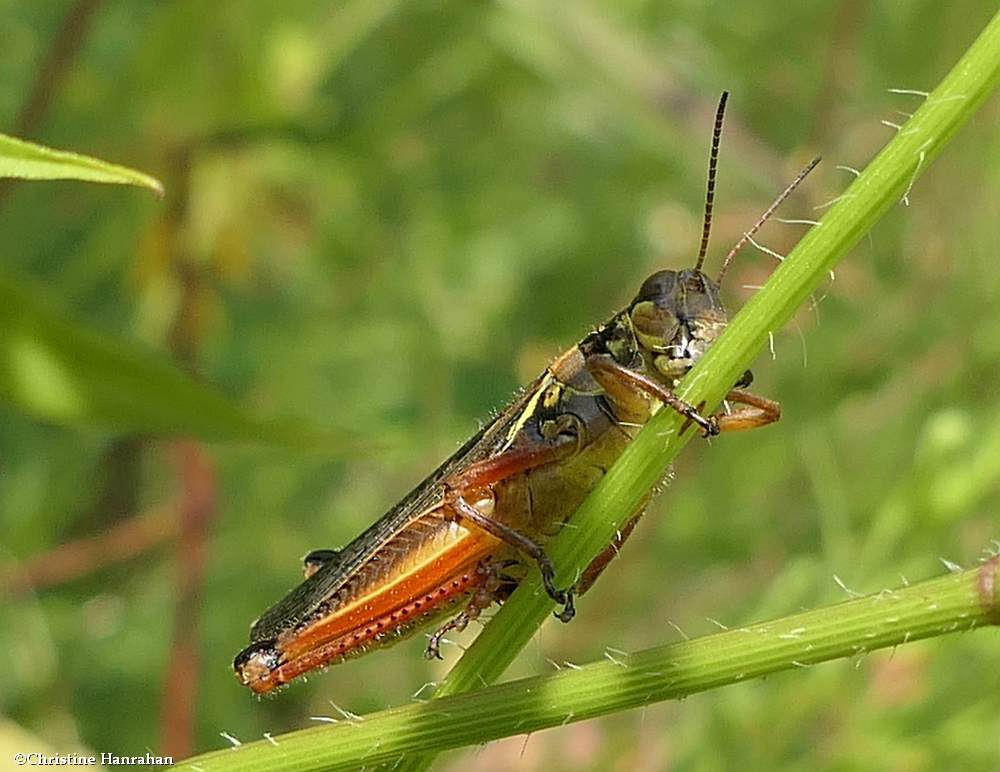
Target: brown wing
(300, 602)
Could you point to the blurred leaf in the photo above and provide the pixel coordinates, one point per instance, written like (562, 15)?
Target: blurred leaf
(57, 370)
(28, 161)
(15, 739)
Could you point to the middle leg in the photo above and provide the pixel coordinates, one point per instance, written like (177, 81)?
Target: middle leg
(491, 589)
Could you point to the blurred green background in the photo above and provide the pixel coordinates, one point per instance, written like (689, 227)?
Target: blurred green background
(382, 218)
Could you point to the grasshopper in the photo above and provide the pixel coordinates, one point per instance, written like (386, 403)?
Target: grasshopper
(466, 536)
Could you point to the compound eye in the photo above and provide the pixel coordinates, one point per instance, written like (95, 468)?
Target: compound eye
(661, 284)
(654, 326)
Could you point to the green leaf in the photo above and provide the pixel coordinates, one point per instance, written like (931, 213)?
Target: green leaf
(28, 161)
(56, 369)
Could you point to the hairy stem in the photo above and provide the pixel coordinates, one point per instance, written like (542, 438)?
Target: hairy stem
(885, 181)
(883, 620)
(957, 602)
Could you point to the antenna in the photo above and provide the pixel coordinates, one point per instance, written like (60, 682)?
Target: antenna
(713, 162)
(766, 216)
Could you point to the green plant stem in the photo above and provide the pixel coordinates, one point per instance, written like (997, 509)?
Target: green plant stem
(890, 176)
(954, 603)
(885, 181)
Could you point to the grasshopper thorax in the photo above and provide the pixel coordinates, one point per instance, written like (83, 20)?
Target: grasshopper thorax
(675, 317)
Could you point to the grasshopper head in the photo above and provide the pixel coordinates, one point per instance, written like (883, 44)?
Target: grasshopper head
(676, 316)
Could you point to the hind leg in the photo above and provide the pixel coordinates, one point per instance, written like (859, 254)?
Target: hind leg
(480, 476)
